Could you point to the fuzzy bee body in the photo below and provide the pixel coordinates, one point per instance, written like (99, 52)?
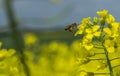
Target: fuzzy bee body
(71, 27)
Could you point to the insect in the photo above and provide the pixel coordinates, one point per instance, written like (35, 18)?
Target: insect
(71, 27)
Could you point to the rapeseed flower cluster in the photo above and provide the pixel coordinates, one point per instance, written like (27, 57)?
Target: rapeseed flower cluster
(8, 66)
(103, 27)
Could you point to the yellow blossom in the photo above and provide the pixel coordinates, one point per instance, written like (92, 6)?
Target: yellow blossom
(107, 31)
(95, 28)
(115, 26)
(89, 36)
(30, 39)
(81, 28)
(95, 20)
(94, 31)
(81, 61)
(86, 20)
(88, 30)
(83, 73)
(110, 19)
(113, 31)
(102, 13)
(3, 54)
(87, 44)
(109, 45)
(11, 52)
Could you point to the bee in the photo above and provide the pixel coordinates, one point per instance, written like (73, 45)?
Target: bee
(71, 27)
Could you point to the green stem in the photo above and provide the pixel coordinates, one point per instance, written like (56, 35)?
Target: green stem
(106, 52)
(16, 35)
(108, 61)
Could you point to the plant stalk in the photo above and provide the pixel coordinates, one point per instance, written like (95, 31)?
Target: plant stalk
(108, 62)
(16, 35)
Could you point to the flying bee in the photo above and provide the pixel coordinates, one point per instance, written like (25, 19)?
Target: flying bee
(71, 27)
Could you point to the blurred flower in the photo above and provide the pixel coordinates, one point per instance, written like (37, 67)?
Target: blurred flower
(86, 21)
(102, 13)
(14, 71)
(11, 52)
(110, 19)
(84, 73)
(81, 61)
(4, 68)
(3, 54)
(95, 20)
(30, 39)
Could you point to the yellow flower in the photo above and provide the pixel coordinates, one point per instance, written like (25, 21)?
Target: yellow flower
(86, 43)
(88, 30)
(11, 52)
(95, 20)
(88, 46)
(95, 28)
(30, 39)
(107, 31)
(113, 31)
(96, 31)
(91, 32)
(115, 26)
(110, 19)
(89, 36)
(83, 73)
(102, 20)
(102, 13)
(109, 45)
(80, 30)
(14, 71)
(86, 20)
(84, 24)
(81, 61)
(3, 54)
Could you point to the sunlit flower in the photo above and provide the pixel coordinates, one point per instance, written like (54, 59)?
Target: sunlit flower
(89, 36)
(110, 19)
(109, 45)
(14, 71)
(11, 52)
(87, 44)
(83, 73)
(81, 61)
(115, 26)
(30, 39)
(80, 30)
(113, 31)
(3, 54)
(107, 31)
(102, 13)
(94, 31)
(86, 20)
(95, 20)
